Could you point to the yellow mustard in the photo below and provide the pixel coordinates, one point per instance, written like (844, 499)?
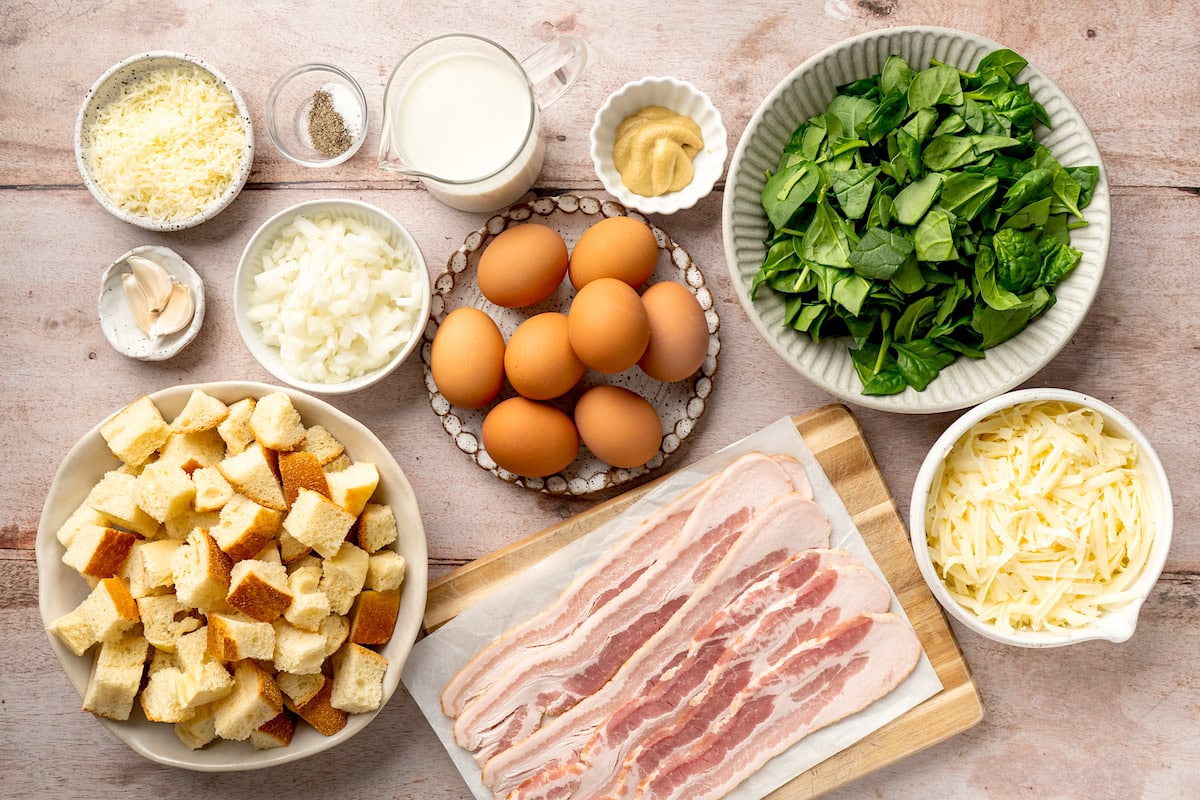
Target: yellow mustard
(653, 150)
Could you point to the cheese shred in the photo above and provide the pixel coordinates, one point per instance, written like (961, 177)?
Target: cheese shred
(1038, 520)
(168, 145)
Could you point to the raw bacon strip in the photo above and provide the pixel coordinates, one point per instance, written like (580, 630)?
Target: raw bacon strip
(788, 526)
(552, 679)
(586, 594)
(796, 474)
(728, 734)
(774, 613)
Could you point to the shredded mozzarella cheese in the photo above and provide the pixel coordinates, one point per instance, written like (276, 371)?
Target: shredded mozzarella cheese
(1037, 519)
(168, 146)
(335, 297)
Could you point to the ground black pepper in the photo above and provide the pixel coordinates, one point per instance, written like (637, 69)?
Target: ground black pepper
(326, 127)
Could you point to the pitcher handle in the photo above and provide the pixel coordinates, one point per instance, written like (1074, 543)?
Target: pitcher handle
(554, 67)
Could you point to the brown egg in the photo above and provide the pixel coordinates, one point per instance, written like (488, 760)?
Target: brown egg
(522, 266)
(539, 361)
(608, 326)
(467, 358)
(617, 247)
(678, 332)
(619, 426)
(530, 438)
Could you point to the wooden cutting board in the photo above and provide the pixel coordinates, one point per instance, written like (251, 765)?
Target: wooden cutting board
(835, 438)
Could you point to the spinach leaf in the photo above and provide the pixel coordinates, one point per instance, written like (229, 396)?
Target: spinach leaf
(1058, 264)
(851, 292)
(877, 378)
(1018, 260)
(1087, 178)
(826, 241)
(907, 323)
(853, 188)
(934, 237)
(880, 253)
(937, 85)
(966, 193)
(1003, 60)
(909, 279)
(886, 116)
(896, 75)
(916, 198)
(786, 191)
(949, 152)
(1033, 185)
(997, 327)
(920, 361)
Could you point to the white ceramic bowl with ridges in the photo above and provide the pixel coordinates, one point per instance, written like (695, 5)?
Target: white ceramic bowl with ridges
(682, 98)
(60, 588)
(806, 92)
(1115, 626)
(105, 89)
(250, 265)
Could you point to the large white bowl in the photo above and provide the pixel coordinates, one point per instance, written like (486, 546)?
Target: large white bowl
(60, 588)
(104, 89)
(251, 264)
(1118, 624)
(806, 92)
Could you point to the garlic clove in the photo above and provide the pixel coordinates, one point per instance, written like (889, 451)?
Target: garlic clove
(139, 307)
(155, 282)
(178, 313)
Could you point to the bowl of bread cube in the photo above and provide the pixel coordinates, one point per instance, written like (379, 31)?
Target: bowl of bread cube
(231, 574)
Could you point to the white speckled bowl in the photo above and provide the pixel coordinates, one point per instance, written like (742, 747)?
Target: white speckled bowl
(105, 88)
(682, 98)
(60, 588)
(1115, 626)
(116, 318)
(806, 92)
(251, 264)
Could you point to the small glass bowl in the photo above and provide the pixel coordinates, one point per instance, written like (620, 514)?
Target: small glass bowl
(291, 100)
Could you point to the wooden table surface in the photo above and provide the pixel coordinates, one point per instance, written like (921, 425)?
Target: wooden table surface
(1091, 721)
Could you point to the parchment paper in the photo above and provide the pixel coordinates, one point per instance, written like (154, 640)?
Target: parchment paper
(435, 659)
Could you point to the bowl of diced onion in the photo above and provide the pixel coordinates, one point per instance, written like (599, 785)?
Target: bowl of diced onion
(1042, 518)
(331, 295)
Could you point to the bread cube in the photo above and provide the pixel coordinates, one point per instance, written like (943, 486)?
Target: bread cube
(352, 487)
(357, 679)
(318, 523)
(235, 429)
(212, 490)
(163, 490)
(275, 422)
(202, 572)
(192, 451)
(244, 527)
(83, 517)
(199, 686)
(99, 552)
(376, 527)
(135, 432)
(160, 700)
(179, 527)
(291, 549)
(148, 568)
(322, 444)
(275, 732)
(255, 699)
(105, 615)
(385, 570)
(301, 470)
(374, 616)
(299, 689)
(270, 554)
(164, 620)
(202, 412)
(320, 713)
(114, 497)
(116, 677)
(259, 589)
(309, 604)
(339, 464)
(252, 473)
(336, 630)
(234, 637)
(199, 730)
(297, 651)
(343, 576)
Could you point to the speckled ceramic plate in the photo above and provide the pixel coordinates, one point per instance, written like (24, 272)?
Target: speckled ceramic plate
(679, 405)
(807, 91)
(116, 318)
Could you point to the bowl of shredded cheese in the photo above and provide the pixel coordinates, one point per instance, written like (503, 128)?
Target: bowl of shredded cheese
(331, 295)
(164, 141)
(1042, 518)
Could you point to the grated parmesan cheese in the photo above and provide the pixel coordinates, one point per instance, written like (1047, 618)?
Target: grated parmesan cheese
(168, 145)
(1037, 518)
(335, 297)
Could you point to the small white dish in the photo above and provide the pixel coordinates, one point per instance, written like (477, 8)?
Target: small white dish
(116, 318)
(682, 98)
(1117, 625)
(806, 92)
(60, 588)
(250, 265)
(106, 88)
